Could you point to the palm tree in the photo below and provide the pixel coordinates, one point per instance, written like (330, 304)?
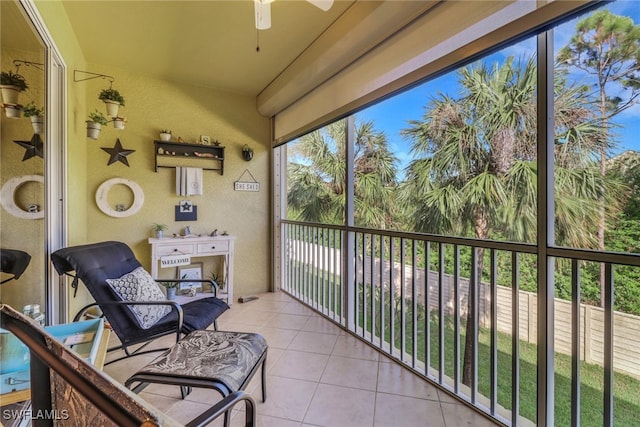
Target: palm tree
(316, 178)
(474, 172)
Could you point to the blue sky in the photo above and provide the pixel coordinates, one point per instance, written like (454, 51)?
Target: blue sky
(392, 115)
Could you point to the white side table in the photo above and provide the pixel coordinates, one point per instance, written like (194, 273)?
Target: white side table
(204, 246)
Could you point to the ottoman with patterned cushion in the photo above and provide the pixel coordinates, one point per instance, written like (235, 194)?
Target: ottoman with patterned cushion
(224, 361)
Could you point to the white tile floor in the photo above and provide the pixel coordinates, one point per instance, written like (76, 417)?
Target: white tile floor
(317, 375)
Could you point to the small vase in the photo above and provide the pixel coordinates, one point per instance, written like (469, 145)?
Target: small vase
(93, 130)
(38, 124)
(159, 234)
(112, 108)
(171, 294)
(165, 137)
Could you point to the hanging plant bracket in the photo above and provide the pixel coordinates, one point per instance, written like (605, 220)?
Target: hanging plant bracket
(19, 62)
(77, 76)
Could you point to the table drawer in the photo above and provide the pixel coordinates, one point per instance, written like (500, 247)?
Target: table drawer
(176, 250)
(213, 247)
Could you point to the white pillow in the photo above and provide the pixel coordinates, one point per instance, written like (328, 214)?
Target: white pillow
(140, 286)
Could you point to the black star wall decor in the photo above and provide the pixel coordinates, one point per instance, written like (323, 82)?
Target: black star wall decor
(33, 148)
(118, 154)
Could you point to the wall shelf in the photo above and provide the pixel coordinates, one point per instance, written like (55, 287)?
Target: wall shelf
(170, 154)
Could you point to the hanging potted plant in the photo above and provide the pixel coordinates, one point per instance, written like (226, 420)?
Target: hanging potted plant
(12, 110)
(36, 115)
(119, 122)
(165, 135)
(95, 123)
(11, 84)
(112, 100)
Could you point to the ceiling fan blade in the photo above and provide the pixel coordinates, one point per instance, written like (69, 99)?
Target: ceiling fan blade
(322, 4)
(263, 14)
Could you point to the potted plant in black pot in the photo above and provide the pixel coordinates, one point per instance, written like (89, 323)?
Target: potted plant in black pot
(112, 100)
(247, 153)
(11, 84)
(95, 123)
(36, 114)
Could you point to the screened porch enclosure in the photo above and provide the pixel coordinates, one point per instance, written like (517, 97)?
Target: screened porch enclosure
(480, 226)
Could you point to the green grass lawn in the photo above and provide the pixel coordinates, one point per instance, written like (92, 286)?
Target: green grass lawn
(626, 388)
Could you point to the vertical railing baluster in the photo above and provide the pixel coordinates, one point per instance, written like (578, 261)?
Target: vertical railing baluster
(515, 338)
(303, 262)
(382, 293)
(427, 306)
(392, 295)
(473, 295)
(373, 288)
(441, 312)
(325, 270)
(403, 310)
(343, 273)
(608, 344)
(314, 266)
(414, 303)
(575, 343)
(364, 285)
(356, 300)
(494, 331)
(456, 318)
(334, 279)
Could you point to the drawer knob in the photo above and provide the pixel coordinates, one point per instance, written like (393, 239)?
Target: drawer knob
(213, 247)
(175, 250)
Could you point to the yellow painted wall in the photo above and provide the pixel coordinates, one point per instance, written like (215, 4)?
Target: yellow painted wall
(152, 104)
(20, 233)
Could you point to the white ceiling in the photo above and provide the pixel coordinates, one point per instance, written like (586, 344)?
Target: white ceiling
(204, 43)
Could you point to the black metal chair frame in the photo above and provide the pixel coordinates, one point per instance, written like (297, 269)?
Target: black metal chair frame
(121, 260)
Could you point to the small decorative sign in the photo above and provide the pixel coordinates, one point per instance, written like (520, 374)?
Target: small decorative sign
(246, 186)
(174, 260)
(240, 185)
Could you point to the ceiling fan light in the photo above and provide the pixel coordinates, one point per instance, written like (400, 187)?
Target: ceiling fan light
(325, 5)
(263, 14)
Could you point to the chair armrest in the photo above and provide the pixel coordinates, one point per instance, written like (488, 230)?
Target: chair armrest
(225, 405)
(174, 306)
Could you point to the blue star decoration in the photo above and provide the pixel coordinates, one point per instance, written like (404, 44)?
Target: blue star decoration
(186, 207)
(33, 147)
(118, 154)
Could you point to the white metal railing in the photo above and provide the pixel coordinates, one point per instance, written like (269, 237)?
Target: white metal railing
(414, 296)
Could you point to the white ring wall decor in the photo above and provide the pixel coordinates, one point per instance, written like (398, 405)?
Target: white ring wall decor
(103, 191)
(7, 196)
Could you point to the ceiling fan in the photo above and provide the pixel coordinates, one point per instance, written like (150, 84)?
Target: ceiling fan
(263, 11)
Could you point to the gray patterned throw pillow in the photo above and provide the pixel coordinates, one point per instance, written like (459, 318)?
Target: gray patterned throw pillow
(140, 286)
